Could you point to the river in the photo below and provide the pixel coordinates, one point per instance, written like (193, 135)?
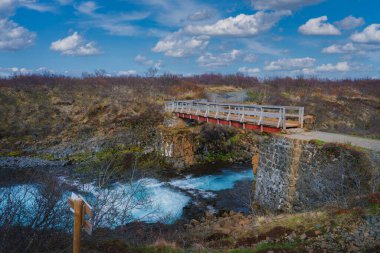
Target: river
(146, 199)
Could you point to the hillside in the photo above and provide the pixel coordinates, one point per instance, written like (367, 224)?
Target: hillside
(46, 111)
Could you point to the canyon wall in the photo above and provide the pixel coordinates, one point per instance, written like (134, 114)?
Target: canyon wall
(290, 174)
(179, 148)
(296, 175)
(184, 147)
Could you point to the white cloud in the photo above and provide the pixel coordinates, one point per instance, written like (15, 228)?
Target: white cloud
(371, 34)
(200, 15)
(282, 4)
(326, 68)
(339, 67)
(318, 26)
(290, 63)
(8, 7)
(34, 5)
(44, 70)
(88, 7)
(20, 71)
(249, 71)
(180, 45)
(127, 73)
(178, 13)
(116, 24)
(14, 36)
(76, 45)
(194, 38)
(340, 49)
(350, 22)
(25, 71)
(241, 25)
(305, 71)
(219, 60)
(148, 62)
(250, 58)
(261, 48)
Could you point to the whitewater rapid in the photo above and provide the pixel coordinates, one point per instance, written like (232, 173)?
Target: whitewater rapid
(148, 199)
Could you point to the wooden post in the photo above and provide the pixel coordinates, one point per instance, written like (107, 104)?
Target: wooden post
(78, 216)
(81, 209)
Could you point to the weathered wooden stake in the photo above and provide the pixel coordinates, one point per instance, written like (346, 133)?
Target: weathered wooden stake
(78, 216)
(83, 218)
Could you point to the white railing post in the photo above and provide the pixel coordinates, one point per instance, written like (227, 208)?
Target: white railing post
(197, 111)
(261, 115)
(207, 110)
(217, 111)
(302, 112)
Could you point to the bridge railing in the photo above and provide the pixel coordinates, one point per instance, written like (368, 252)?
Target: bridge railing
(278, 116)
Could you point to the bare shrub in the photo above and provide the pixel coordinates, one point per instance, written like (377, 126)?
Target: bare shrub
(34, 217)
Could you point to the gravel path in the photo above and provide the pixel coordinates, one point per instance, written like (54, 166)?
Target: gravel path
(339, 138)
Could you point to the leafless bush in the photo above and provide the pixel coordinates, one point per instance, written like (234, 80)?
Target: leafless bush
(118, 196)
(33, 217)
(375, 171)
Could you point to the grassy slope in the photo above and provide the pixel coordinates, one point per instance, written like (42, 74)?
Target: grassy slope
(235, 233)
(44, 111)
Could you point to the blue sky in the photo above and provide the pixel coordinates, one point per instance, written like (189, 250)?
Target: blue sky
(319, 38)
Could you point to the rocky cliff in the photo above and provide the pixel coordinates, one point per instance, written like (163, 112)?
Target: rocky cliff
(184, 146)
(296, 175)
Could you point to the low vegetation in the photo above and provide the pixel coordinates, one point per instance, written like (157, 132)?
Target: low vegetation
(51, 110)
(109, 126)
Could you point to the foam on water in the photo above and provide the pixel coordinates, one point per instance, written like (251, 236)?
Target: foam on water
(144, 200)
(168, 202)
(218, 182)
(152, 200)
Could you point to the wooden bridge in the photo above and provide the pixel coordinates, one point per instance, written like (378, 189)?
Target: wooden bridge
(265, 118)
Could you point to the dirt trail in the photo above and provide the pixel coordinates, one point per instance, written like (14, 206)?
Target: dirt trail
(339, 138)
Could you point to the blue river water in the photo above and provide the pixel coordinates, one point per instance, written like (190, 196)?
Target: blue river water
(147, 199)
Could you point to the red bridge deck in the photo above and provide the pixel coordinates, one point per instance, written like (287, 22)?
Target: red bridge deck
(255, 117)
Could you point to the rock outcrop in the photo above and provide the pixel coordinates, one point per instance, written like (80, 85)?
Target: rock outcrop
(296, 175)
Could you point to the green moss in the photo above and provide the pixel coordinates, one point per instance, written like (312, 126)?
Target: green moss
(234, 139)
(121, 246)
(264, 247)
(14, 153)
(81, 157)
(218, 157)
(374, 208)
(254, 96)
(152, 160)
(286, 94)
(317, 142)
(178, 130)
(48, 157)
(156, 249)
(119, 150)
(105, 154)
